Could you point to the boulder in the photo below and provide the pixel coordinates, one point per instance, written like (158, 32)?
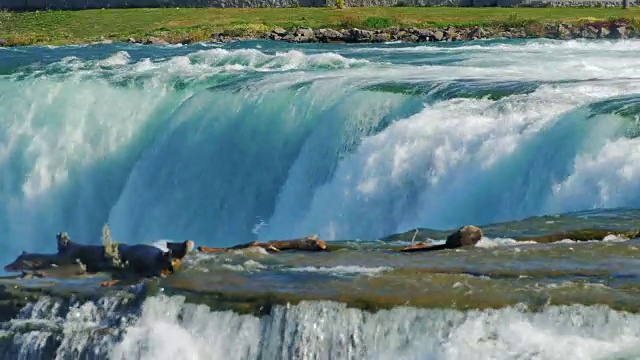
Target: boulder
(476, 33)
(180, 249)
(329, 35)
(381, 37)
(280, 31)
(424, 34)
(618, 32)
(437, 36)
(156, 41)
(399, 35)
(357, 35)
(304, 35)
(468, 235)
(562, 32)
(603, 32)
(289, 38)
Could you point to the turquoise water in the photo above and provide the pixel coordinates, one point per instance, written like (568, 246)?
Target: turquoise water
(224, 144)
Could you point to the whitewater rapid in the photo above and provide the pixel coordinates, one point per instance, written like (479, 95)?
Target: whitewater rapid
(204, 142)
(169, 328)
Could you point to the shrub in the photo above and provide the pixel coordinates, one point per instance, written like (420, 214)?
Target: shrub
(340, 4)
(377, 22)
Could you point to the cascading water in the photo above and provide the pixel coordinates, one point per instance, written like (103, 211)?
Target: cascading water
(222, 144)
(167, 328)
(206, 143)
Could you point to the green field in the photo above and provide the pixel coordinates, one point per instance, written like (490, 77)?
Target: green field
(65, 27)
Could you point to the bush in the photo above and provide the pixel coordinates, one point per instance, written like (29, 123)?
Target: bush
(340, 4)
(377, 22)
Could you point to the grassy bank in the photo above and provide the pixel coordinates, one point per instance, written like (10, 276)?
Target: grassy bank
(67, 27)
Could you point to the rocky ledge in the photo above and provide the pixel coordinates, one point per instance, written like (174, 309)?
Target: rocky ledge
(593, 30)
(354, 35)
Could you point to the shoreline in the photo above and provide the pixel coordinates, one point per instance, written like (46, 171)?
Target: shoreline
(313, 25)
(555, 31)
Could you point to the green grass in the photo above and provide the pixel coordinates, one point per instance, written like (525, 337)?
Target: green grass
(64, 27)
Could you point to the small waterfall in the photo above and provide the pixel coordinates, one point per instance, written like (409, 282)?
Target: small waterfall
(168, 328)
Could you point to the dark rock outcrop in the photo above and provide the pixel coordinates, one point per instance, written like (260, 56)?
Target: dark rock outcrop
(559, 31)
(466, 236)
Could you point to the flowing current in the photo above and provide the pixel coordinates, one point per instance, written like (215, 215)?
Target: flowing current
(224, 144)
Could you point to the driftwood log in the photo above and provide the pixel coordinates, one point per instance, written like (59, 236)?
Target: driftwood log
(122, 261)
(308, 243)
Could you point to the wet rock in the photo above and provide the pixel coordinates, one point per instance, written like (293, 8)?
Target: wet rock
(132, 41)
(468, 235)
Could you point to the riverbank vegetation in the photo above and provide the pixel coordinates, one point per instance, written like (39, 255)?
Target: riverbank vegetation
(201, 24)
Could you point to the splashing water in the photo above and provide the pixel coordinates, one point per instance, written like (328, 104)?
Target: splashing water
(344, 141)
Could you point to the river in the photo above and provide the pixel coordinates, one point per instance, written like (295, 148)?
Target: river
(228, 143)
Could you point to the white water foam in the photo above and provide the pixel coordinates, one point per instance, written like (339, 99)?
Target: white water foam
(343, 270)
(249, 266)
(330, 330)
(197, 335)
(459, 160)
(134, 143)
(169, 328)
